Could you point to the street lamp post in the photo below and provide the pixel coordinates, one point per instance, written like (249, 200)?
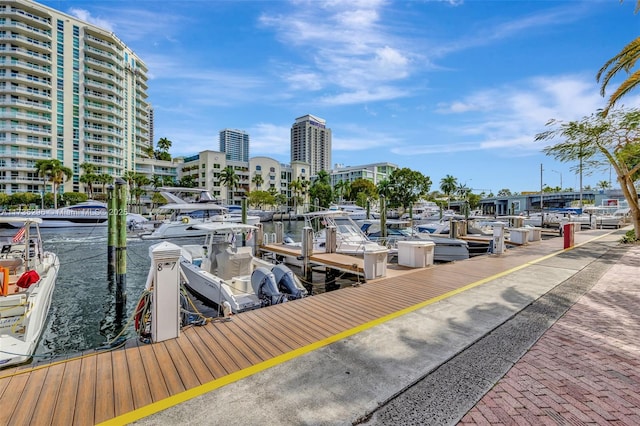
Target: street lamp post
(560, 173)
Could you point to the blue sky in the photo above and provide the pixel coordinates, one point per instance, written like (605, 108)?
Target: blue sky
(443, 87)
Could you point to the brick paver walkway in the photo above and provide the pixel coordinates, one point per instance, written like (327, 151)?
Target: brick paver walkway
(585, 369)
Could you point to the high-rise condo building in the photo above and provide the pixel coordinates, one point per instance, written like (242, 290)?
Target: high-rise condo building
(311, 143)
(235, 144)
(69, 91)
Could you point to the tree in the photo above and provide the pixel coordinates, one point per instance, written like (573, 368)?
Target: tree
(258, 199)
(257, 180)
(230, 179)
(321, 189)
(625, 60)
(140, 181)
(149, 151)
(162, 153)
(130, 177)
(296, 188)
(603, 185)
(104, 179)
(156, 181)
(365, 187)
(600, 142)
(504, 192)
(89, 177)
(342, 188)
(448, 185)
(54, 172)
(408, 186)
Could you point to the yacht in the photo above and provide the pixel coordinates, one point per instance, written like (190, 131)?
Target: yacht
(185, 215)
(27, 278)
(87, 214)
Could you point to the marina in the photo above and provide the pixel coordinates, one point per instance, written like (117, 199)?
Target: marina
(139, 379)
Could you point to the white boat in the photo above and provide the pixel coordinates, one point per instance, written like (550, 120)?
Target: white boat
(350, 239)
(225, 275)
(355, 212)
(27, 279)
(424, 210)
(186, 214)
(445, 250)
(87, 213)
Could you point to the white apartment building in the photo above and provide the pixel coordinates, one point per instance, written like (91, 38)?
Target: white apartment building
(69, 91)
(206, 167)
(376, 172)
(311, 143)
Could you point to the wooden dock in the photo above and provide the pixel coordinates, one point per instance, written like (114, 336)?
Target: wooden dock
(122, 385)
(340, 262)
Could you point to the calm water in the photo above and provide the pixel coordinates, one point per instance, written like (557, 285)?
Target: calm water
(82, 314)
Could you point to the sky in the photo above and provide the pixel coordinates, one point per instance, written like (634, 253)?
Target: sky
(454, 87)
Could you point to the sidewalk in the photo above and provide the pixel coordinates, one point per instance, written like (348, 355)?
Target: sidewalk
(585, 368)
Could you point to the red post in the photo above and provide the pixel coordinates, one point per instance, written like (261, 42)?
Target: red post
(567, 232)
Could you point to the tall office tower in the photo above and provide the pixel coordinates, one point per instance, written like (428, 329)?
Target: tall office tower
(311, 143)
(69, 91)
(235, 144)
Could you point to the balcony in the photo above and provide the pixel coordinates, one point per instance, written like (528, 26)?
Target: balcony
(28, 54)
(27, 104)
(22, 28)
(101, 65)
(93, 40)
(21, 128)
(26, 66)
(26, 117)
(27, 42)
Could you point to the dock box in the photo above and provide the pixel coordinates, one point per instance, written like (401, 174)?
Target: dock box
(415, 254)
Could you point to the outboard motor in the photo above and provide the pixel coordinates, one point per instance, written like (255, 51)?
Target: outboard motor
(264, 285)
(286, 282)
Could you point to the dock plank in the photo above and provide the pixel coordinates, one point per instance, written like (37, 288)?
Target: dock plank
(104, 388)
(121, 383)
(45, 405)
(11, 400)
(63, 412)
(86, 395)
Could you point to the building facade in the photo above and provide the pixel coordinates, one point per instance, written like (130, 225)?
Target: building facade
(311, 143)
(235, 144)
(373, 172)
(69, 91)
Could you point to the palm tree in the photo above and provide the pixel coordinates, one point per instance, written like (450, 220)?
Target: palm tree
(130, 177)
(230, 179)
(54, 172)
(296, 188)
(448, 185)
(89, 177)
(164, 144)
(149, 151)
(104, 179)
(140, 181)
(258, 180)
(341, 187)
(625, 60)
(603, 184)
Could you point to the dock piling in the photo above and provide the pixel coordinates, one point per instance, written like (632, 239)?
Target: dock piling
(120, 214)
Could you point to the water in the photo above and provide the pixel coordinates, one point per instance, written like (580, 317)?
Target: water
(83, 311)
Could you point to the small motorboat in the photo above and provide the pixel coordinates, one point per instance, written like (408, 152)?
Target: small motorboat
(27, 278)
